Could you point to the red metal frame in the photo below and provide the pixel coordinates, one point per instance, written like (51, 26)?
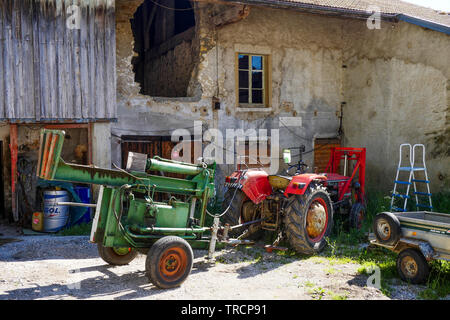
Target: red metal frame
(87, 126)
(13, 146)
(353, 154)
(256, 186)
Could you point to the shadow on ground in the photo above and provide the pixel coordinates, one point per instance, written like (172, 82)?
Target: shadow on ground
(127, 286)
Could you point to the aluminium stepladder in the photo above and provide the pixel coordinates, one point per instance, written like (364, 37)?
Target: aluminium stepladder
(412, 169)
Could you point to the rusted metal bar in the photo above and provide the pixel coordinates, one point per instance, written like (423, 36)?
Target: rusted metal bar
(245, 224)
(76, 204)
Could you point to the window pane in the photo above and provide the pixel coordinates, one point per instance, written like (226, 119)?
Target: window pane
(243, 61)
(243, 79)
(257, 62)
(257, 80)
(257, 96)
(243, 96)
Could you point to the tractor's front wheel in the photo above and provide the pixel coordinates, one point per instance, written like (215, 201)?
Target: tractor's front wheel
(357, 216)
(116, 256)
(169, 262)
(308, 220)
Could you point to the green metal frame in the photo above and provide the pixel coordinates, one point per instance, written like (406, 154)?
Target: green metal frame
(144, 221)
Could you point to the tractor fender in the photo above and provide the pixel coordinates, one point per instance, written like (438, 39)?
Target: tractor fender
(255, 184)
(300, 183)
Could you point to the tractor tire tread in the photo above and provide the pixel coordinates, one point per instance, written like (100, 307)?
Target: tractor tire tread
(294, 220)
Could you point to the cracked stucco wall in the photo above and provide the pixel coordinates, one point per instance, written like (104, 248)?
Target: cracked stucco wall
(306, 72)
(394, 82)
(396, 89)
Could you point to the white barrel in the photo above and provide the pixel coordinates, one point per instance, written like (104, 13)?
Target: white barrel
(55, 216)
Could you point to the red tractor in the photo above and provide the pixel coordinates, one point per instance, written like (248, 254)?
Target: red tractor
(299, 206)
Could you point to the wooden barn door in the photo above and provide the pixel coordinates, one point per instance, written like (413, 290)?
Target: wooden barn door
(322, 152)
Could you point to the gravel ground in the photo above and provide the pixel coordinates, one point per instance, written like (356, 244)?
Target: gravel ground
(50, 267)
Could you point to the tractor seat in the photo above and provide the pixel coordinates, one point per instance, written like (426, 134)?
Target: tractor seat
(279, 182)
(334, 177)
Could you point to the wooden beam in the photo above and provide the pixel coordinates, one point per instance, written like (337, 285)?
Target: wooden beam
(231, 15)
(148, 25)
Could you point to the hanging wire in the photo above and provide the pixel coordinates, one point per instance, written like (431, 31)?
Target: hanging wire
(231, 201)
(170, 8)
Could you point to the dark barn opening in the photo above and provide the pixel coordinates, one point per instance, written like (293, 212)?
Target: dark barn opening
(163, 32)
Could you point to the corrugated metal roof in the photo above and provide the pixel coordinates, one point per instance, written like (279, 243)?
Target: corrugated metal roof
(394, 8)
(49, 71)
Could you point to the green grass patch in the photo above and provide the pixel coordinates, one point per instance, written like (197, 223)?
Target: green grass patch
(82, 229)
(335, 296)
(438, 284)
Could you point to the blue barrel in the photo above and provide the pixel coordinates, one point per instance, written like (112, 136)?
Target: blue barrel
(55, 216)
(85, 197)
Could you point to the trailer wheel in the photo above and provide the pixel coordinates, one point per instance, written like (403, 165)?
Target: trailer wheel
(357, 216)
(169, 262)
(386, 227)
(241, 210)
(412, 266)
(308, 220)
(116, 256)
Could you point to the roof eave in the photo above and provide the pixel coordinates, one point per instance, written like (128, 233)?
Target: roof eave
(424, 23)
(346, 13)
(311, 8)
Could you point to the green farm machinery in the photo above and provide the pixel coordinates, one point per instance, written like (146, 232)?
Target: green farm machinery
(128, 220)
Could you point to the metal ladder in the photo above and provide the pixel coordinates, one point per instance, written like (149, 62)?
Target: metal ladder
(412, 180)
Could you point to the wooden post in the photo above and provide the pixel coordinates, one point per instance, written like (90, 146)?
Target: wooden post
(13, 145)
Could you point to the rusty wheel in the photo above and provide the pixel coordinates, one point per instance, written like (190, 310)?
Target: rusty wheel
(116, 256)
(172, 264)
(317, 219)
(412, 266)
(169, 262)
(357, 216)
(386, 228)
(308, 220)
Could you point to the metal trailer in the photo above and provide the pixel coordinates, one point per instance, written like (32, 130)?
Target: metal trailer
(417, 237)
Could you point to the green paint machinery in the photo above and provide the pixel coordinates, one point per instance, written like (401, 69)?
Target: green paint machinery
(128, 220)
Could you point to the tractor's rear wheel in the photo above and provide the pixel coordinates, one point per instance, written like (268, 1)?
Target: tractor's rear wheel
(241, 210)
(308, 220)
(169, 262)
(116, 256)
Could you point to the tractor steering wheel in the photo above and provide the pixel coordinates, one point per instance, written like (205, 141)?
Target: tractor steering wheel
(300, 168)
